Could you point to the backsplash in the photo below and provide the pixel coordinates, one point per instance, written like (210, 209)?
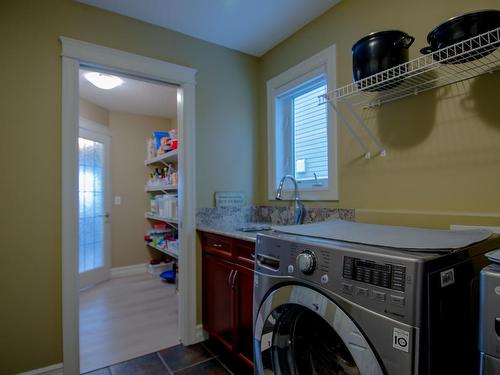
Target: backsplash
(234, 217)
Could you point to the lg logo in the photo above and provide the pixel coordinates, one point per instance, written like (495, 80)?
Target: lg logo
(401, 339)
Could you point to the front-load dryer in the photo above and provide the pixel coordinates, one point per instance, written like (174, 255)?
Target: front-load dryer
(335, 307)
(489, 321)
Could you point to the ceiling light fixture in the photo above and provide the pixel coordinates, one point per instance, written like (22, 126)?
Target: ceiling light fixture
(103, 81)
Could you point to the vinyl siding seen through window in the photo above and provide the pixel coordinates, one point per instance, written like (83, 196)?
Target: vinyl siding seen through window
(310, 133)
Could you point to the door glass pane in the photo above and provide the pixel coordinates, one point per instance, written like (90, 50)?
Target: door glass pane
(297, 341)
(91, 204)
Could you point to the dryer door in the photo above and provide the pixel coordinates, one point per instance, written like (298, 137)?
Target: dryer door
(300, 331)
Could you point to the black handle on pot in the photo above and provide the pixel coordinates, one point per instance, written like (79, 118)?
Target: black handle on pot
(405, 41)
(426, 50)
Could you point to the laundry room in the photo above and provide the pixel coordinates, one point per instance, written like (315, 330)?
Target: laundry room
(236, 187)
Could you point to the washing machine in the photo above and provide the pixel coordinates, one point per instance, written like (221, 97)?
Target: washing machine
(489, 332)
(324, 306)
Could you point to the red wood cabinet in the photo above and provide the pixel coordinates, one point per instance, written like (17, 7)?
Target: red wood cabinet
(217, 292)
(244, 314)
(228, 293)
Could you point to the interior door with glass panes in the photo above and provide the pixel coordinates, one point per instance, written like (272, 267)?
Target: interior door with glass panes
(93, 202)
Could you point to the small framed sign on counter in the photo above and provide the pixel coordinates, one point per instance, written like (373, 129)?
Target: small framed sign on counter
(230, 199)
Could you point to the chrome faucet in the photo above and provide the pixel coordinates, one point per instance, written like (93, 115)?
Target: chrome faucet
(299, 207)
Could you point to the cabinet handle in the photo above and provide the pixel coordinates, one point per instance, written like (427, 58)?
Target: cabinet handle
(234, 279)
(229, 278)
(217, 245)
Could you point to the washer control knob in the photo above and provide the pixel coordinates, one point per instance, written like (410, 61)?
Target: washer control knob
(306, 261)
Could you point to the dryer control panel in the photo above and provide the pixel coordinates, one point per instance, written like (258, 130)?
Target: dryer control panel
(385, 275)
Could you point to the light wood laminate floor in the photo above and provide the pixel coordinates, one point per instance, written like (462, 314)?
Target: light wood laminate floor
(124, 318)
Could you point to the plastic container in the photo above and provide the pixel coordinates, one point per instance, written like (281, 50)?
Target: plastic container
(157, 269)
(150, 148)
(173, 246)
(167, 206)
(169, 276)
(161, 206)
(154, 205)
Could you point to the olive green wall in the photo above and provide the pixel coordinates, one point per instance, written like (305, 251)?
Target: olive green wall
(30, 136)
(443, 158)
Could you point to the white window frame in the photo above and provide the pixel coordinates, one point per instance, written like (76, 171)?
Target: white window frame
(322, 62)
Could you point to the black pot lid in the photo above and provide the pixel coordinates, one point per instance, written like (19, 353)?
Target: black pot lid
(378, 34)
(459, 18)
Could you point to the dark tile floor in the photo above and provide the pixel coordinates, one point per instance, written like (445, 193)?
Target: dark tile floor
(204, 358)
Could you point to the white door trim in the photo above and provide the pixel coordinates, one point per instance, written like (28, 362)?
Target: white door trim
(74, 53)
(93, 126)
(56, 369)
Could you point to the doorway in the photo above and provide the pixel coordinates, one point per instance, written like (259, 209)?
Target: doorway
(74, 54)
(131, 311)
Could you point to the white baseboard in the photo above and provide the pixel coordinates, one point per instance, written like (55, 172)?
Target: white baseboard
(135, 269)
(56, 369)
(201, 334)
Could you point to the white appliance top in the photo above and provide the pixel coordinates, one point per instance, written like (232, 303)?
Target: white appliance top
(389, 236)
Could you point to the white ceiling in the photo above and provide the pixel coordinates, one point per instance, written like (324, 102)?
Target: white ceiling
(133, 96)
(250, 26)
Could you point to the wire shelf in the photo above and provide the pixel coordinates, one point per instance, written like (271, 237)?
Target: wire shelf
(458, 62)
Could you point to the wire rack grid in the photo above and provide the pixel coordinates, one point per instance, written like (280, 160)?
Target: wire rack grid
(458, 62)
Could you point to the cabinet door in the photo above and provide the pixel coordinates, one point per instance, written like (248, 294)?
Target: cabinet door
(244, 313)
(218, 299)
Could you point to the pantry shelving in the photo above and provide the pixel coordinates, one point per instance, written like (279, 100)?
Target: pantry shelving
(170, 156)
(170, 220)
(170, 253)
(160, 187)
(461, 61)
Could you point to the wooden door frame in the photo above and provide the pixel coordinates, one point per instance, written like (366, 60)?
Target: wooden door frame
(74, 53)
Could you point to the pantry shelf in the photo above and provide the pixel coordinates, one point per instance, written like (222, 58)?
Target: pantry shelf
(151, 216)
(461, 61)
(165, 251)
(160, 187)
(163, 159)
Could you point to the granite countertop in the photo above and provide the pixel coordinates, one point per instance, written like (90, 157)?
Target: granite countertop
(231, 231)
(228, 221)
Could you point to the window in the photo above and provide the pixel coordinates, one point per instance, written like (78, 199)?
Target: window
(302, 134)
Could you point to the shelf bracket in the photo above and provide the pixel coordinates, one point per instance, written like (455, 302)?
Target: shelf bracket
(367, 152)
(344, 121)
(362, 122)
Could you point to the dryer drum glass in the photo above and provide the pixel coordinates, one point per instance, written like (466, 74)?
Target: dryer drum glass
(304, 343)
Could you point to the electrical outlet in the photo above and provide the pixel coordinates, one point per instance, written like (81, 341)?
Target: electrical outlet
(118, 200)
